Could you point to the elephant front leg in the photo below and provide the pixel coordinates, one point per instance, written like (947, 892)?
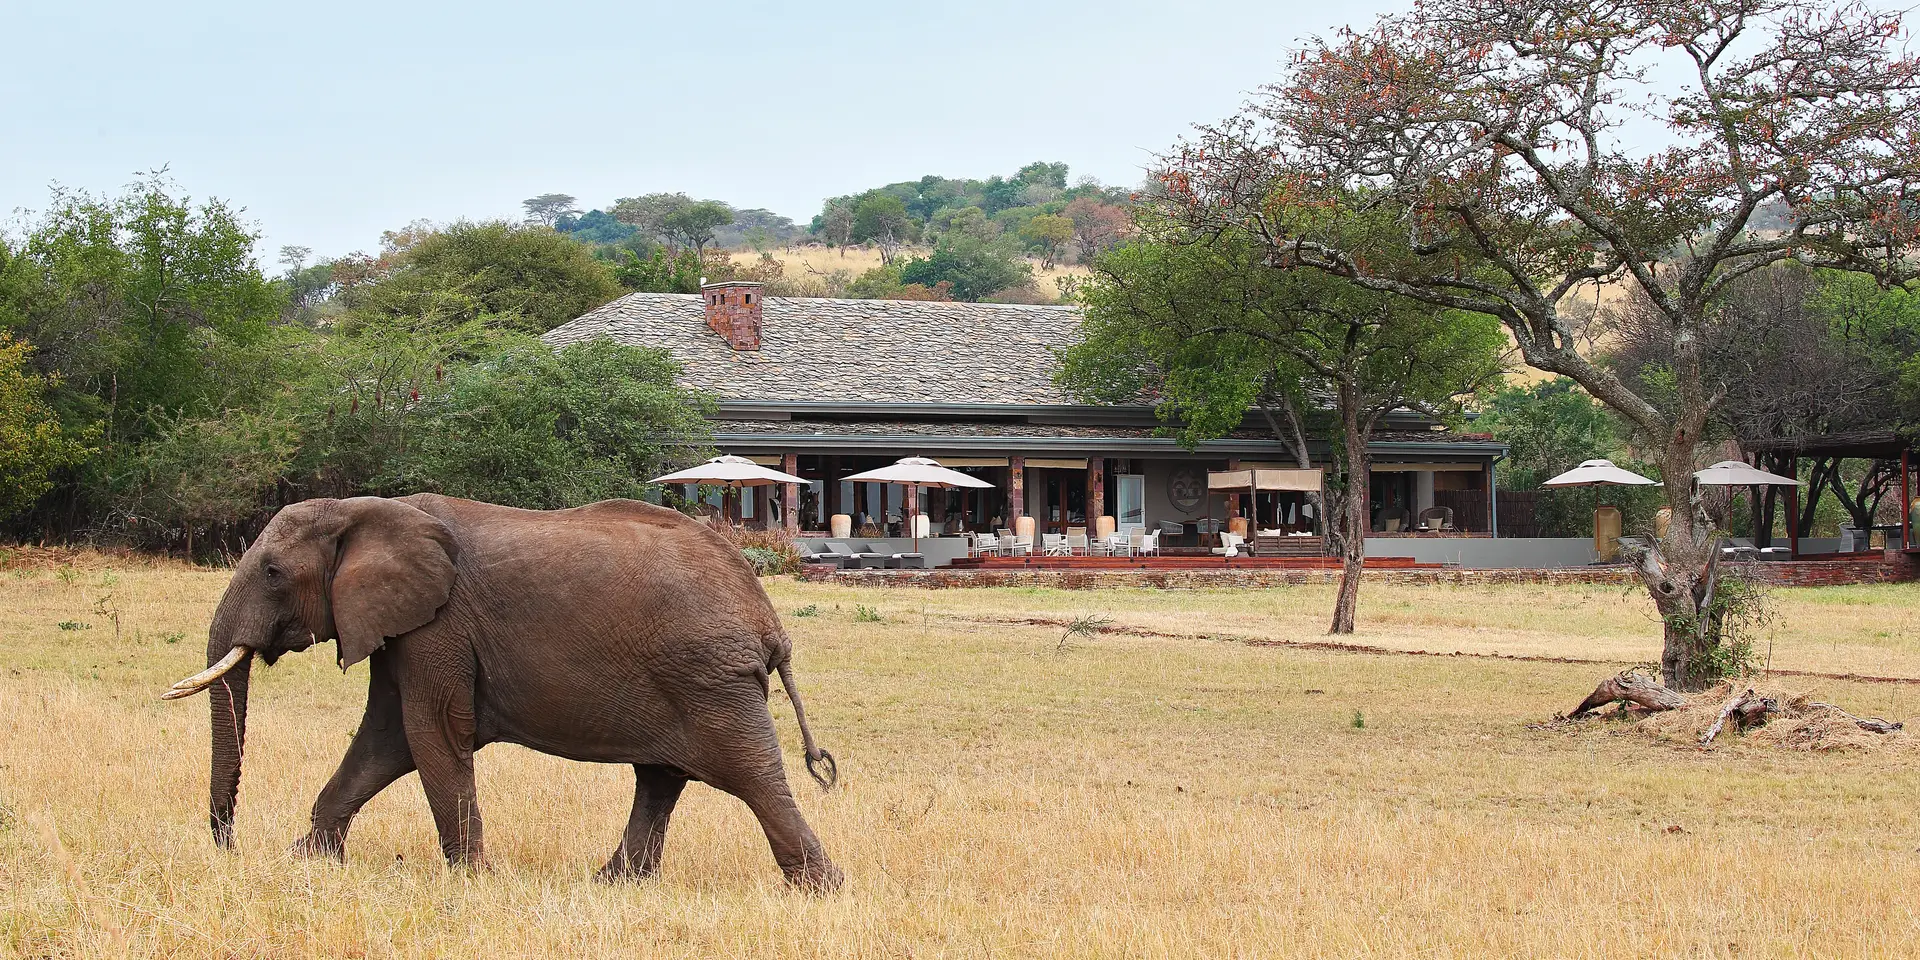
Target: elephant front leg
(656, 790)
(377, 757)
(440, 733)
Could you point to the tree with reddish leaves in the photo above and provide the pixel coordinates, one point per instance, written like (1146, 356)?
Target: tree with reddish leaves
(1502, 155)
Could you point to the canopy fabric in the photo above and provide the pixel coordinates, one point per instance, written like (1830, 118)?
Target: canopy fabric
(1734, 473)
(1294, 478)
(1592, 473)
(730, 471)
(919, 472)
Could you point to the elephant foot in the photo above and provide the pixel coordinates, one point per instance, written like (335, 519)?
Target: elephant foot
(816, 877)
(473, 859)
(321, 844)
(624, 869)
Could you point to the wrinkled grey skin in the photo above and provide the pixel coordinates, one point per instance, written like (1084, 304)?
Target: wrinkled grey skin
(617, 632)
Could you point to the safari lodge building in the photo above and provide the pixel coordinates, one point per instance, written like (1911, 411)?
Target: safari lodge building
(825, 388)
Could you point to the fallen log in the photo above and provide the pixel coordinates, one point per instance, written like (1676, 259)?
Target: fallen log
(1869, 724)
(1746, 710)
(1635, 688)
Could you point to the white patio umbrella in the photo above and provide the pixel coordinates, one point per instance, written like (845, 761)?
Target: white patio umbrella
(1737, 473)
(919, 472)
(731, 472)
(1600, 473)
(1595, 473)
(1734, 473)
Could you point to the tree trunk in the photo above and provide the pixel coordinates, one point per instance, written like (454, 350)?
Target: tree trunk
(1353, 554)
(1674, 571)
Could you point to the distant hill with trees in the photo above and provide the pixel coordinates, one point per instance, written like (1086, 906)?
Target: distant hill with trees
(937, 237)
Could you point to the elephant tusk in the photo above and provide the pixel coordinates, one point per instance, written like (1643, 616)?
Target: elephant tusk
(205, 678)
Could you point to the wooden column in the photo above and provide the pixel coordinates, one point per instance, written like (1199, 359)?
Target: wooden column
(790, 495)
(1793, 510)
(1906, 500)
(1096, 489)
(1016, 488)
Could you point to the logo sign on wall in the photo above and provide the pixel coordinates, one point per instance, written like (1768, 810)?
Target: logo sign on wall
(1185, 490)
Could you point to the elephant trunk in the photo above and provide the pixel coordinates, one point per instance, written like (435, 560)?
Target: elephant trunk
(228, 697)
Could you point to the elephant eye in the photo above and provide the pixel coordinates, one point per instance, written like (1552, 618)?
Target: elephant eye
(273, 571)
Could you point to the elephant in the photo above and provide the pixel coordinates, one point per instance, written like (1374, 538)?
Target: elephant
(617, 632)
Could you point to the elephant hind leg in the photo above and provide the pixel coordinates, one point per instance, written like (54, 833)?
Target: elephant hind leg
(656, 790)
(741, 756)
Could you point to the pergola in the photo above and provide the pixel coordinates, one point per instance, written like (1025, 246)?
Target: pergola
(1783, 455)
(1234, 483)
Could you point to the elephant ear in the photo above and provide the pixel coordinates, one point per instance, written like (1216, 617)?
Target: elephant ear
(394, 570)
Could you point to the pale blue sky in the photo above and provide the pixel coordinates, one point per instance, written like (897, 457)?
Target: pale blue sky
(332, 122)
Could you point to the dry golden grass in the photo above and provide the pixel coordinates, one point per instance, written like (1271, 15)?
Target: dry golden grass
(808, 261)
(1130, 796)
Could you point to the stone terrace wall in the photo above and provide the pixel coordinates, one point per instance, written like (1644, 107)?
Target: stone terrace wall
(1891, 567)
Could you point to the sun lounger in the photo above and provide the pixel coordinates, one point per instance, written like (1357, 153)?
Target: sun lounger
(856, 559)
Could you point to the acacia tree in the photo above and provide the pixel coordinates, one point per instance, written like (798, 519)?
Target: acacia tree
(1201, 322)
(548, 209)
(1796, 354)
(883, 219)
(1514, 148)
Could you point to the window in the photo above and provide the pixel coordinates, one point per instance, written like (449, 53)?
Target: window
(749, 300)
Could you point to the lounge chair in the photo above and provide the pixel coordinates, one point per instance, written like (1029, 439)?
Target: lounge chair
(856, 559)
(1436, 518)
(986, 545)
(896, 560)
(1230, 544)
(823, 556)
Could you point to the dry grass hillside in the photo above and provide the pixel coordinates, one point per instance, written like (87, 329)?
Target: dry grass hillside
(802, 261)
(1171, 790)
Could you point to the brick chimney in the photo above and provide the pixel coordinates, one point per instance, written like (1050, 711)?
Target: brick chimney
(733, 311)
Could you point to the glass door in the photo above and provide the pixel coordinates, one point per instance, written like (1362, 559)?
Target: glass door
(1130, 498)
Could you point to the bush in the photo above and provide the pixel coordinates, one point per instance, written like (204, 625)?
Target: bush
(769, 551)
(974, 268)
(517, 277)
(541, 428)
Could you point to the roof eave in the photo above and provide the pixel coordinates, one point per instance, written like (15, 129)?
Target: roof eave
(1085, 446)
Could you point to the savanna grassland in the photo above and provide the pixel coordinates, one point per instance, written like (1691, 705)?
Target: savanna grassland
(1166, 792)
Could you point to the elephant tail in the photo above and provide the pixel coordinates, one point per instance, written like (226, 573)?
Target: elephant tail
(818, 760)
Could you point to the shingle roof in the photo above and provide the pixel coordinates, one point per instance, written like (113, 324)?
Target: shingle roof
(875, 351)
